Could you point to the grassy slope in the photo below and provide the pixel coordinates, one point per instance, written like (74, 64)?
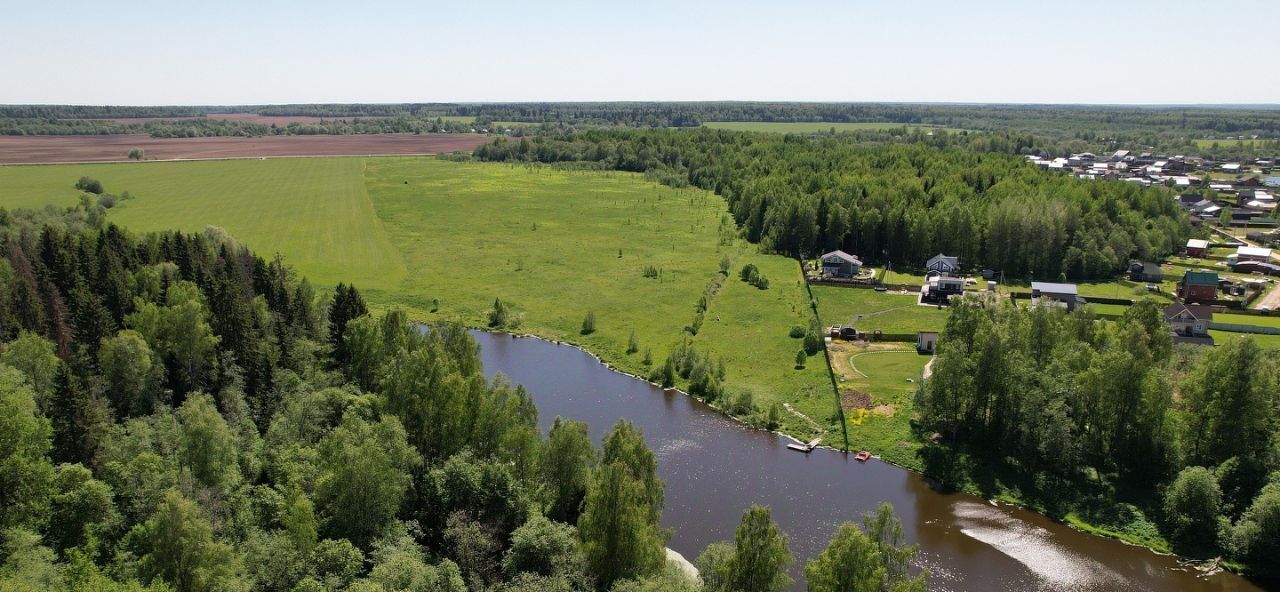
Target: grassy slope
(315, 211)
(569, 265)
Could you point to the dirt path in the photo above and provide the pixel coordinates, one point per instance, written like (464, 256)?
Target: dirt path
(814, 424)
(1271, 299)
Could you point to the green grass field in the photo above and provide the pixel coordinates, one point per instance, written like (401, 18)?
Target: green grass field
(810, 127)
(553, 244)
(1227, 143)
(315, 211)
(887, 312)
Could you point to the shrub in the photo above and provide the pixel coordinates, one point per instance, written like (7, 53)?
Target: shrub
(633, 346)
(589, 323)
(796, 332)
(742, 404)
(801, 358)
(90, 185)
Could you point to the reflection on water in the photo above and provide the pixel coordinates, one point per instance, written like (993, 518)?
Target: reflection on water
(1035, 548)
(715, 468)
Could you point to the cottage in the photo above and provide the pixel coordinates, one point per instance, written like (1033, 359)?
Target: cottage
(840, 264)
(1198, 287)
(1146, 271)
(940, 288)
(1247, 253)
(926, 341)
(943, 264)
(1053, 294)
(1190, 322)
(1197, 247)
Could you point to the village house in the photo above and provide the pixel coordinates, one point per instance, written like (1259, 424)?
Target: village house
(1197, 247)
(1054, 294)
(939, 288)
(1190, 322)
(943, 264)
(1146, 271)
(1247, 253)
(1198, 287)
(840, 264)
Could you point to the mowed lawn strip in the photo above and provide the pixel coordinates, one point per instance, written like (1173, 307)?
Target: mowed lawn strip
(884, 311)
(315, 211)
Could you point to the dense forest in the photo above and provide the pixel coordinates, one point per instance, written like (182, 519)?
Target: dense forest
(896, 203)
(1061, 128)
(1082, 408)
(177, 413)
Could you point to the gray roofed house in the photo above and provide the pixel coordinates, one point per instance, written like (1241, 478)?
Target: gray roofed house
(1054, 294)
(840, 264)
(943, 264)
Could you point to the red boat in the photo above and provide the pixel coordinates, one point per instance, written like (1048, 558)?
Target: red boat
(862, 456)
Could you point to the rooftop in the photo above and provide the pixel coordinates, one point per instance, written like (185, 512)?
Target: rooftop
(1053, 288)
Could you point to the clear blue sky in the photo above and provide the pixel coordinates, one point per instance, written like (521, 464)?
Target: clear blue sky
(179, 52)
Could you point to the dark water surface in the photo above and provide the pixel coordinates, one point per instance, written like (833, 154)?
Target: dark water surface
(715, 468)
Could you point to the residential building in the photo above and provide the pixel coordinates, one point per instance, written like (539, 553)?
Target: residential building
(1247, 253)
(840, 264)
(1198, 287)
(943, 264)
(1146, 271)
(1054, 294)
(1190, 323)
(926, 341)
(1197, 247)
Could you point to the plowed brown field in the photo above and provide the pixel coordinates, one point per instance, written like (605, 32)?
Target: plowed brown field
(43, 149)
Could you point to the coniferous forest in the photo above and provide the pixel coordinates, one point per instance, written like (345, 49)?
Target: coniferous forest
(896, 203)
(178, 413)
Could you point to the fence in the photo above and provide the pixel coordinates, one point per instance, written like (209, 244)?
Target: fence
(1237, 328)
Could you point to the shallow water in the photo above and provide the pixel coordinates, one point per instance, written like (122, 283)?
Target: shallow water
(715, 468)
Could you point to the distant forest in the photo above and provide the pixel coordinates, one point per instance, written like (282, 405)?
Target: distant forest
(1069, 127)
(895, 203)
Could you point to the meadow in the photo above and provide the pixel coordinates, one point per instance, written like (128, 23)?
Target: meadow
(443, 240)
(810, 127)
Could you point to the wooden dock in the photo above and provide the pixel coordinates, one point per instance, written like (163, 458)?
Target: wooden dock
(805, 448)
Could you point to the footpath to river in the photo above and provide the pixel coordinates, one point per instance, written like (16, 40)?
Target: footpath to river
(715, 468)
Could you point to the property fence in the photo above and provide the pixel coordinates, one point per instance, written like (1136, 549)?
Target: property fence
(826, 355)
(1237, 328)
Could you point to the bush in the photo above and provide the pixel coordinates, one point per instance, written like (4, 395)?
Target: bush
(633, 346)
(1192, 506)
(741, 404)
(812, 342)
(589, 323)
(796, 332)
(90, 185)
(1256, 537)
(801, 358)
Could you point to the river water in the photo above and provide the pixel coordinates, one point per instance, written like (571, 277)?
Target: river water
(715, 468)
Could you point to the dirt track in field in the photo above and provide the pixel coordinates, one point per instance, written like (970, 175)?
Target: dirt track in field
(108, 148)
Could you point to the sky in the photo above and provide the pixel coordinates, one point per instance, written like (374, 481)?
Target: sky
(143, 52)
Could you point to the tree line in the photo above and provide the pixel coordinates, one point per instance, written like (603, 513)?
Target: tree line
(891, 203)
(178, 413)
(1084, 409)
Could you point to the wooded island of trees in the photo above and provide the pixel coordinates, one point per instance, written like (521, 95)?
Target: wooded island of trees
(177, 413)
(1082, 409)
(895, 203)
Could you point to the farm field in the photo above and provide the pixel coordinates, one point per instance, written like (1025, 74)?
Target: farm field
(314, 211)
(116, 147)
(809, 127)
(887, 312)
(553, 245)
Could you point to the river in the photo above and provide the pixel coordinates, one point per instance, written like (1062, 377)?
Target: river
(715, 468)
